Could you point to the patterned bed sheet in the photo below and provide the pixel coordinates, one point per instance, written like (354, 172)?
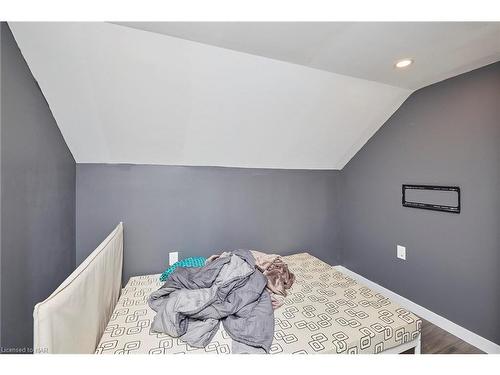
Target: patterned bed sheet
(324, 312)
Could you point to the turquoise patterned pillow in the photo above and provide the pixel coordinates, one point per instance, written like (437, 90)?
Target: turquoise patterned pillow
(187, 263)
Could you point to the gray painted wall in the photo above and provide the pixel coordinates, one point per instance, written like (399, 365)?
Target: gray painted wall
(200, 210)
(37, 198)
(448, 134)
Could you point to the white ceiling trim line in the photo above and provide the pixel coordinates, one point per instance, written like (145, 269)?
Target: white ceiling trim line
(121, 95)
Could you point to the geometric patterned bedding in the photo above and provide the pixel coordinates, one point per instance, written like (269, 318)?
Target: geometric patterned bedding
(324, 312)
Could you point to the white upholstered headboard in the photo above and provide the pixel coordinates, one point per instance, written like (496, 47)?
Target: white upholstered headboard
(73, 318)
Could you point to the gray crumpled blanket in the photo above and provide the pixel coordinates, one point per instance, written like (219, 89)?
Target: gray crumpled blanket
(279, 277)
(193, 301)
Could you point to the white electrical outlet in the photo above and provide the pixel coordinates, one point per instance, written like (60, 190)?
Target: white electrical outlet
(173, 257)
(401, 252)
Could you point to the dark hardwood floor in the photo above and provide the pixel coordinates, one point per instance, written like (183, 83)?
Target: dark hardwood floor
(438, 341)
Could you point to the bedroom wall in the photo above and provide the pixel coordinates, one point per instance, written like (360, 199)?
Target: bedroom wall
(200, 210)
(37, 199)
(449, 134)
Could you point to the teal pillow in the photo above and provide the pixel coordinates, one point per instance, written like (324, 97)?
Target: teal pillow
(187, 263)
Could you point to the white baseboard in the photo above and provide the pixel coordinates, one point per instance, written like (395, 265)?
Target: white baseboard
(461, 332)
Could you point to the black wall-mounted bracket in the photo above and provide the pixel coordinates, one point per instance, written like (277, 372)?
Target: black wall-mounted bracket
(429, 206)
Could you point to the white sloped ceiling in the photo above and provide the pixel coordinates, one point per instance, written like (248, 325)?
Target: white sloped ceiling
(122, 95)
(365, 50)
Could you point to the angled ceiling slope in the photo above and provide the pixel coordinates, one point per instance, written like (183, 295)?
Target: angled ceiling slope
(123, 95)
(360, 49)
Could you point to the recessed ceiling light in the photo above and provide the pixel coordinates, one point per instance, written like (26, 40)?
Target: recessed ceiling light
(404, 63)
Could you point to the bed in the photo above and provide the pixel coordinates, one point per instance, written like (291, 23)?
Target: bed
(324, 312)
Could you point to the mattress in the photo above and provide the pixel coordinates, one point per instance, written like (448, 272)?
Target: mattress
(325, 312)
